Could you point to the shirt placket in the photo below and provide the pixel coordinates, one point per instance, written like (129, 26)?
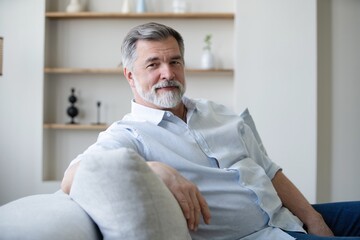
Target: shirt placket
(205, 148)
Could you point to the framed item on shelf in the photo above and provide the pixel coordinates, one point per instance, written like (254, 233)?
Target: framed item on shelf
(1, 55)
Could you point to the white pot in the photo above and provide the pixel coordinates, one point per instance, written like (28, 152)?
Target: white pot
(126, 7)
(207, 60)
(179, 6)
(74, 6)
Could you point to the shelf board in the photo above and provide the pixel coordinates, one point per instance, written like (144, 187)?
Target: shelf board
(193, 15)
(119, 70)
(83, 70)
(61, 126)
(215, 70)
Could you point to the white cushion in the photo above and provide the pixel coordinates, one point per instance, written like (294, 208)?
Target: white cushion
(126, 199)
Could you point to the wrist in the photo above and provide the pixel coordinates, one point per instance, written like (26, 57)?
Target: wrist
(312, 218)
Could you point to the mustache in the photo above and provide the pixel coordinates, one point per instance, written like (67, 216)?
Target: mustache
(167, 83)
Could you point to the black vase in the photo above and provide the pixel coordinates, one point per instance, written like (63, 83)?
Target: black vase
(72, 111)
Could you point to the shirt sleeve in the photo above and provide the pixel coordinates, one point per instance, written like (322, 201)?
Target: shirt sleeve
(257, 154)
(116, 136)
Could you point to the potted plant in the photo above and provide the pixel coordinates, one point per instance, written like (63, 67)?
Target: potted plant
(207, 59)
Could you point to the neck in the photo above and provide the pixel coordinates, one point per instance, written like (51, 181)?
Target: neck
(180, 111)
(183, 113)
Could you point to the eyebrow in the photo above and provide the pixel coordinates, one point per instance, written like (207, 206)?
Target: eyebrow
(177, 57)
(151, 59)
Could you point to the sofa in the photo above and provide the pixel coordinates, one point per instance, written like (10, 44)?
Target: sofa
(46, 216)
(115, 195)
(135, 203)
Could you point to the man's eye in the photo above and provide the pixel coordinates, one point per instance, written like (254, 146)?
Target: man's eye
(152, 65)
(176, 62)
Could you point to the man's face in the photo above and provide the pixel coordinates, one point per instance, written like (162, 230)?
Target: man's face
(157, 77)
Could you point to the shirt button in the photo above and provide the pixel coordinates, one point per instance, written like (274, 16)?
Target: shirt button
(168, 114)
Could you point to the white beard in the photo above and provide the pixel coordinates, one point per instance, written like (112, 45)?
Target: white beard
(168, 99)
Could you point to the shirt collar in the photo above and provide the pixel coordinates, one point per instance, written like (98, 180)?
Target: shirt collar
(143, 113)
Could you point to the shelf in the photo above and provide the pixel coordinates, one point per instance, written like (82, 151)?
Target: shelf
(215, 70)
(193, 15)
(75, 126)
(119, 70)
(83, 70)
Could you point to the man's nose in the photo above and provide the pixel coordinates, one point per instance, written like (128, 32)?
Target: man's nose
(167, 72)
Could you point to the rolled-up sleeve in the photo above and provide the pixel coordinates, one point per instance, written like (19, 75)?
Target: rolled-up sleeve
(257, 154)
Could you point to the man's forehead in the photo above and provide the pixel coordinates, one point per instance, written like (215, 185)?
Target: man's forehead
(145, 47)
(161, 42)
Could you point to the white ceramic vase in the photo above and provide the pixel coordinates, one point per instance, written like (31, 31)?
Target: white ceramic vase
(179, 6)
(126, 6)
(74, 6)
(207, 60)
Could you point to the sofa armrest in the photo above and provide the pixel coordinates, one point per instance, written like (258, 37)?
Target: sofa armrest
(46, 216)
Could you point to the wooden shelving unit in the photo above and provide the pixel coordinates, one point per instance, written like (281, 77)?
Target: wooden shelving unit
(74, 44)
(79, 15)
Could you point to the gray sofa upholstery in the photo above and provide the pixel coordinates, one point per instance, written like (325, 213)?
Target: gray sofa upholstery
(46, 216)
(115, 195)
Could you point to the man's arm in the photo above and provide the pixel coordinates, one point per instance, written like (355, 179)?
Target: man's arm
(192, 203)
(293, 199)
(69, 178)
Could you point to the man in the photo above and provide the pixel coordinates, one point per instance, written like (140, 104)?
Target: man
(205, 154)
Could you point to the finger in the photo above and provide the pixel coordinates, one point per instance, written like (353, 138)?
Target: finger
(187, 207)
(184, 205)
(204, 208)
(196, 210)
(192, 217)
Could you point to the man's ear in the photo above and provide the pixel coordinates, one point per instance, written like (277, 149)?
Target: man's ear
(129, 77)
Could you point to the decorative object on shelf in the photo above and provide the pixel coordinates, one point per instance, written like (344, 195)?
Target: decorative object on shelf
(207, 59)
(72, 111)
(98, 106)
(126, 6)
(75, 6)
(141, 6)
(179, 6)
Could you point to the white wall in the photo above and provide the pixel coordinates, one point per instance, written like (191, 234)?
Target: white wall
(345, 87)
(298, 72)
(21, 92)
(276, 79)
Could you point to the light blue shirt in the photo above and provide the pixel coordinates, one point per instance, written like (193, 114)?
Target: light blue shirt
(218, 152)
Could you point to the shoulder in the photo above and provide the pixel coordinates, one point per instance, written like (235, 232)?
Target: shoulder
(209, 106)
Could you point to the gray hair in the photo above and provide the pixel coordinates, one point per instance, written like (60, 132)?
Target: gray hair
(151, 32)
